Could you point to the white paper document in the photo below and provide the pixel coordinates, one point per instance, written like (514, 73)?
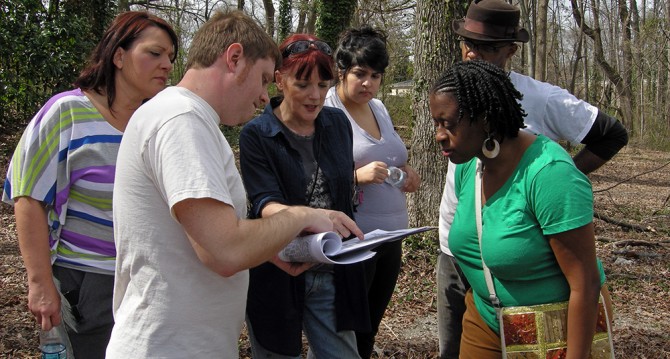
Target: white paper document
(327, 247)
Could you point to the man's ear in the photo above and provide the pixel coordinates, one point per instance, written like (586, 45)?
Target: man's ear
(233, 56)
(511, 50)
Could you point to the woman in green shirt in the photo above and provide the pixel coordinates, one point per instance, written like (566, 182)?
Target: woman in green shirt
(537, 210)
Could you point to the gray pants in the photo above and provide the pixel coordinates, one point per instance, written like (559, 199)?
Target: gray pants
(451, 288)
(90, 299)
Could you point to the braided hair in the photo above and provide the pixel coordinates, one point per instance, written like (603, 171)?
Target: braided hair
(484, 90)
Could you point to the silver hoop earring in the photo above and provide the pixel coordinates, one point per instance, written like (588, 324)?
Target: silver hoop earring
(491, 147)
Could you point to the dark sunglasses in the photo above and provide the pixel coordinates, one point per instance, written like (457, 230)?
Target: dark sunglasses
(300, 46)
(483, 47)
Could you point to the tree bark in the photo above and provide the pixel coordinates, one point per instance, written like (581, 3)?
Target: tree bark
(665, 72)
(269, 17)
(334, 17)
(627, 60)
(434, 50)
(541, 41)
(285, 19)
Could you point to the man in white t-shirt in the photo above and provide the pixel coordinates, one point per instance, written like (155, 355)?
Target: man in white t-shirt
(489, 32)
(183, 245)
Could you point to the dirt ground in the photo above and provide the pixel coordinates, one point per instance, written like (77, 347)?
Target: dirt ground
(632, 198)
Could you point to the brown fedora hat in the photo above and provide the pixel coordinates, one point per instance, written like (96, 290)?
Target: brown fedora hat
(491, 21)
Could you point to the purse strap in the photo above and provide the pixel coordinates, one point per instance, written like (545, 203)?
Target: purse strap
(495, 301)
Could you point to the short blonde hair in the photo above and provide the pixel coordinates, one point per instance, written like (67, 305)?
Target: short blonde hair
(224, 29)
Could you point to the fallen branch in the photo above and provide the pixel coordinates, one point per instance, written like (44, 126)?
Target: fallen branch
(634, 227)
(633, 254)
(605, 239)
(633, 242)
(630, 178)
(391, 330)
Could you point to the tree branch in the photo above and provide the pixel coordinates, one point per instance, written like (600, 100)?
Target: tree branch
(634, 176)
(623, 224)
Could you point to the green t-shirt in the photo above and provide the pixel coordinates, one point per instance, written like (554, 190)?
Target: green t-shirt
(546, 194)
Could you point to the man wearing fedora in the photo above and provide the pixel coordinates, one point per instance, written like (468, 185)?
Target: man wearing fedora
(490, 32)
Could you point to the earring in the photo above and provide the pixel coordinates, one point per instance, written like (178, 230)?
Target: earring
(491, 147)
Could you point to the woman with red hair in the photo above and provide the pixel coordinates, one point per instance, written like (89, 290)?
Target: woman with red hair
(299, 153)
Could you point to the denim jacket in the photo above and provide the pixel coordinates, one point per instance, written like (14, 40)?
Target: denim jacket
(272, 171)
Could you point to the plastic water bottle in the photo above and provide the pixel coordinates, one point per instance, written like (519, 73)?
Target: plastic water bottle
(396, 177)
(53, 343)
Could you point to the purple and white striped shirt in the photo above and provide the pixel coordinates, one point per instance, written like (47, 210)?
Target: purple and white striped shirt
(67, 159)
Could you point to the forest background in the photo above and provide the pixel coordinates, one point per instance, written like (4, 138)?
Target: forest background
(614, 54)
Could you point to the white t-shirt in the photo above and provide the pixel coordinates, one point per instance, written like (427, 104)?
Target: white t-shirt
(551, 111)
(167, 303)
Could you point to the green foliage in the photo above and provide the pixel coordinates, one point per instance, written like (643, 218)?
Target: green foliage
(400, 109)
(232, 134)
(285, 19)
(42, 52)
(421, 243)
(334, 17)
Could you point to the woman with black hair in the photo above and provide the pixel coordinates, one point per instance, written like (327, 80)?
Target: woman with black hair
(535, 243)
(361, 59)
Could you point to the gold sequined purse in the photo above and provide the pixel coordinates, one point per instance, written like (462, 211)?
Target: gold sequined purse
(541, 331)
(538, 331)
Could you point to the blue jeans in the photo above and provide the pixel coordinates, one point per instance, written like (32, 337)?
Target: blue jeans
(318, 323)
(451, 288)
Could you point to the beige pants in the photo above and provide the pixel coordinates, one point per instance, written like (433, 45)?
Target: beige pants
(479, 341)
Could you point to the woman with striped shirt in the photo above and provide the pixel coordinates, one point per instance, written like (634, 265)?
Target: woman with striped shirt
(62, 172)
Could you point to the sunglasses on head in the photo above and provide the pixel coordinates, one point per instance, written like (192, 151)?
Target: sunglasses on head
(300, 46)
(483, 47)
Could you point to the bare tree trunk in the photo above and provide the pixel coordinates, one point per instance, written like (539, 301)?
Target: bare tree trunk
(310, 27)
(586, 72)
(303, 7)
(664, 71)
(269, 17)
(624, 92)
(627, 60)
(541, 41)
(434, 51)
(575, 64)
(528, 20)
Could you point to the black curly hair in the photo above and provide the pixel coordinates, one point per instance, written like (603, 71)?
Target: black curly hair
(364, 46)
(484, 90)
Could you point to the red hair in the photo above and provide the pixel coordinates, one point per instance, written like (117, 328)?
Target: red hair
(302, 64)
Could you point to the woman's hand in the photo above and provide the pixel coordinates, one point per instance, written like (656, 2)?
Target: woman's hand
(412, 181)
(44, 303)
(291, 268)
(43, 297)
(372, 173)
(343, 225)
